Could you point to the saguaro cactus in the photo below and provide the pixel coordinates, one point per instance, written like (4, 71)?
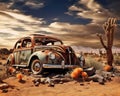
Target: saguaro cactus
(109, 28)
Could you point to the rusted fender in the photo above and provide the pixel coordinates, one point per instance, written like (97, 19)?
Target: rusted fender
(40, 55)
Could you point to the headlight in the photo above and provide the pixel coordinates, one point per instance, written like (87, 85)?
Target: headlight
(52, 56)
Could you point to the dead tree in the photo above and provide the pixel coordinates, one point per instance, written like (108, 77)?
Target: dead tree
(109, 28)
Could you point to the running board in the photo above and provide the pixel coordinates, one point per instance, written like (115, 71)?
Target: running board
(16, 65)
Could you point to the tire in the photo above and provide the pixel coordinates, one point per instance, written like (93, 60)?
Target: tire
(36, 67)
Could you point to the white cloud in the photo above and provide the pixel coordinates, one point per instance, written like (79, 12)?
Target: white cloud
(75, 8)
(55, 19)
(34, 5)
(90, 10)
(90, 4)
(16, 25)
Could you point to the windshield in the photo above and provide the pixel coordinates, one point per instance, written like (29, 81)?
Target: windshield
(47, 41)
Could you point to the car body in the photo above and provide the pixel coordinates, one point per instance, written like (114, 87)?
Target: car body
(40, 51)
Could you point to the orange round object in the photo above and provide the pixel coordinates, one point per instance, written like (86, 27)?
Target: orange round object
(11, 69)
(74, 75)
(107, 68)
(76, 72)
(84, 74)
(19, 76)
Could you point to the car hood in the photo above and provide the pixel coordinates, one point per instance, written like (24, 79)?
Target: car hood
(61, 48)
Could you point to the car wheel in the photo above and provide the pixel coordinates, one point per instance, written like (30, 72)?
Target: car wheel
(36, 66)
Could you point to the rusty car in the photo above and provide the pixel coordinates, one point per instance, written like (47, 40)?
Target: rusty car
(38, 52)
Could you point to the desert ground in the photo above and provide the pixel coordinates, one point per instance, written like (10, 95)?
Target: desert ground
(72, 88)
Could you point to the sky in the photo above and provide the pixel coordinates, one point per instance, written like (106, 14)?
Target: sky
(75, 22)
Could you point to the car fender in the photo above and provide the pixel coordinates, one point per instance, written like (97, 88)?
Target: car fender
(38, 55)
(10, 58)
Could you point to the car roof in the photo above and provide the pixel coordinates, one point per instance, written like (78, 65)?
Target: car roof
(43, 36)
(40, 36)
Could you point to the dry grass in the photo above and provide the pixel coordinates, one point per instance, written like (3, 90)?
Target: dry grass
(94, 62)
(3, 74)
(117, 60)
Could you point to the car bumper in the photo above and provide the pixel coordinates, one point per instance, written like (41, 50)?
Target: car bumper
(59, 66)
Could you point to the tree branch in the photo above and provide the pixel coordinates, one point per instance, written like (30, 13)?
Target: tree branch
(101, 40)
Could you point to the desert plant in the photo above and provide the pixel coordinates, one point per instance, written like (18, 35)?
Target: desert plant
(91, 62)
(117, 60)
(3, 74)
(109, 28)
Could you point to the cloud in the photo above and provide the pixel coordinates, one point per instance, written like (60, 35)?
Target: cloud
(15, 25)
(111, 5)
(55, 19)
(89, 9)
(34, 5)
(75, 34)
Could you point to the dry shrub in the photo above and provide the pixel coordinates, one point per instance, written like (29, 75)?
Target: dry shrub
(3, 74)
(3, 58)
(117, 60)
(91, 62)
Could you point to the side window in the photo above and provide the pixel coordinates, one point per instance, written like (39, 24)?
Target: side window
(26, 43)
(57, 43)
(38, 41)
(18, 45)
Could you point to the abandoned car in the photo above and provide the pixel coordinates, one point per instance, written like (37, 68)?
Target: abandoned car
(38, 52)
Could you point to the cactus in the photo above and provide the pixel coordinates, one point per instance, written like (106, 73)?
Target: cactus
(109, 28)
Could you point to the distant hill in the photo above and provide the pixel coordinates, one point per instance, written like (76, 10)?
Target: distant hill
(4, 51)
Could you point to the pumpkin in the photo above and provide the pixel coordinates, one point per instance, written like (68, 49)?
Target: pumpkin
(107, 68)
(11, 69)
(84, 74)
(76, 72)
(19, 76)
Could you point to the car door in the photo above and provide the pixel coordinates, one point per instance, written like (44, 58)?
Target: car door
(26, 51)
(17, 51)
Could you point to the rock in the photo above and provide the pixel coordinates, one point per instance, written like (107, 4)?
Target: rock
(37, 83)
(97, 78)
(42, 80)
(61, 82)
(3, 86)
(48, 80)
(4, 90)
(51, 85)
(82, 84)
(90, 71)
